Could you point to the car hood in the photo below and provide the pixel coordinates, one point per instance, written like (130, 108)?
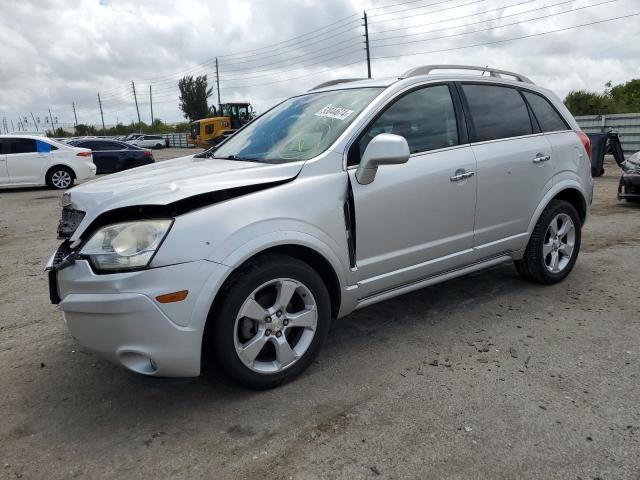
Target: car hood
(170, 181)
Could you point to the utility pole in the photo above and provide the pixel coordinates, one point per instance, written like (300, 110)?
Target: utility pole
(74, 114)
(53, 127)
(101, 114)
(218, 85)
(4, 125)
(133, 85)
(151, 103)
(366, 43)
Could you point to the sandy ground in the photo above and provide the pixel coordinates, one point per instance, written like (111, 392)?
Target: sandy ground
(530, 382)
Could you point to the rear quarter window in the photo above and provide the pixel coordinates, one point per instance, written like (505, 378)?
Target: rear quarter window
(548, 118)
(497, 112)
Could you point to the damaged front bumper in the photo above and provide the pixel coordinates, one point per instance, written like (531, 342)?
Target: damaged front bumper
(629, 186)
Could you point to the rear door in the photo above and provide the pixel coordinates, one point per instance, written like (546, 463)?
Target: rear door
(26, 162)
(111, 155)
(567, 148)
(415, 220)
(4, 173)
(514, 166)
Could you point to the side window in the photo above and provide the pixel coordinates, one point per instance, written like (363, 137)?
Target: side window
(497, 112)
(110, 146)
(208, 129)
(22, 145)
(426, 118)
(547, 116)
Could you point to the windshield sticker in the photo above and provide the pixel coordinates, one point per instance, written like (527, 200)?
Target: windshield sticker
(334, 112)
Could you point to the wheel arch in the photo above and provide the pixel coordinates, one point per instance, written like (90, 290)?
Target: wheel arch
(58, 165)
(305, 253)
(569, 191)
(575, 198)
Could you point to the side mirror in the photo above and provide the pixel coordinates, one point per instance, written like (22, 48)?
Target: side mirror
(383, 149)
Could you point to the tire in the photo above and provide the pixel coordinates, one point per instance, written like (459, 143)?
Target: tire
(60, 178)
(159, 146)
(548, 259)
(229, 332)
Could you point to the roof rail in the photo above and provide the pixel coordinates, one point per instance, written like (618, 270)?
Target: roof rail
(494, 72)
(336, 82)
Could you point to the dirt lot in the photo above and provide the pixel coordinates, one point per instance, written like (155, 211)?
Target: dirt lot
(530, 382)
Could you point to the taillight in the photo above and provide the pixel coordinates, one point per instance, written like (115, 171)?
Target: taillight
(148, 154)
(586, 143)
(85, 154)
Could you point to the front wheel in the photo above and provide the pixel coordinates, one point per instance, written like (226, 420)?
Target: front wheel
(272, 323)
(554, 245)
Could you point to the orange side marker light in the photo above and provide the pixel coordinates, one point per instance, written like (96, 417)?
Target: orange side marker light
(173, 297)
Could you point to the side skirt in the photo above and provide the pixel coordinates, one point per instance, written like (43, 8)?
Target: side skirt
(417, 285)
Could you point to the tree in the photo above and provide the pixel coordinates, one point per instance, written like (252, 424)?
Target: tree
(194, 93)
(582, 102)
(83, 130)
(625, 97)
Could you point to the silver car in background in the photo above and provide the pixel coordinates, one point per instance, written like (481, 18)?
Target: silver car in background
(347, 195)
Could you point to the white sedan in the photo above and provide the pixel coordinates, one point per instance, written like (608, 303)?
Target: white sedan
(148, 141)
(27, 160)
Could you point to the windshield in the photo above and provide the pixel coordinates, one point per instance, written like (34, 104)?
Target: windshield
(299, 128)
(195, 129)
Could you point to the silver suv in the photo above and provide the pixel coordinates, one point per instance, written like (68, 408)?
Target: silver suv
(335, 199)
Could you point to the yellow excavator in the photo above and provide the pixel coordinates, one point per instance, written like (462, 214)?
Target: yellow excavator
(208, 132)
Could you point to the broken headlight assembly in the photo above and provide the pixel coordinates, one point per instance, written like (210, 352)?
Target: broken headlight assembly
(125, 246)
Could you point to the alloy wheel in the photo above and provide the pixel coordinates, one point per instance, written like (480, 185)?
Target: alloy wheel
(559, 242)
(275, 325)
(61, 179)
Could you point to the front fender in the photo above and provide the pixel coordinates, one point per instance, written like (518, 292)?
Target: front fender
(289, 237)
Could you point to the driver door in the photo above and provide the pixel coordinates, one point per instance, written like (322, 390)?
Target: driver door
(415, 220)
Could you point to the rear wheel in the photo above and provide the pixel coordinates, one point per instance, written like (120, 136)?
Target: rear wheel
(275, 317)
(554, 245)
(60, 178)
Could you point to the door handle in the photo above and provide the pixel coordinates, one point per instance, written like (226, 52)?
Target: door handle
(461, 174)
(541, 158)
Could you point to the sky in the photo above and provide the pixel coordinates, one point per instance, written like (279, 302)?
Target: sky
(54, 53)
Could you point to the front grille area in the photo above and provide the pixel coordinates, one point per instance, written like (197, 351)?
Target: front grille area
(64, 250)
(69, 222)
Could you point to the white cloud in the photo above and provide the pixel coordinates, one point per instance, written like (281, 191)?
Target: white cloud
(53, 53)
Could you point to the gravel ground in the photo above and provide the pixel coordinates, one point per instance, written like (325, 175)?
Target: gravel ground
(480, 377)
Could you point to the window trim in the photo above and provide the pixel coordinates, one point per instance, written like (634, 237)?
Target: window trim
(533, 113)
(471, 126)
(463, 138)
(7, 145)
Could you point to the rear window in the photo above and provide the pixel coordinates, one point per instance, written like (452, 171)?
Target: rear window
(22, 145)
(547, 116)
(497, 112)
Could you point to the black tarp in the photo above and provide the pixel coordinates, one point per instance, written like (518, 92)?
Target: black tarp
(598, 149)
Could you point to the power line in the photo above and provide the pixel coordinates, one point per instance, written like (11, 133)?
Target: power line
(212, 60)
(458, 18)
(500, 26)
(422, 13)
(462, 26)
(507, 39)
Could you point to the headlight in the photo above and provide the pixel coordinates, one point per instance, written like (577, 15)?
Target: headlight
(125, 246)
